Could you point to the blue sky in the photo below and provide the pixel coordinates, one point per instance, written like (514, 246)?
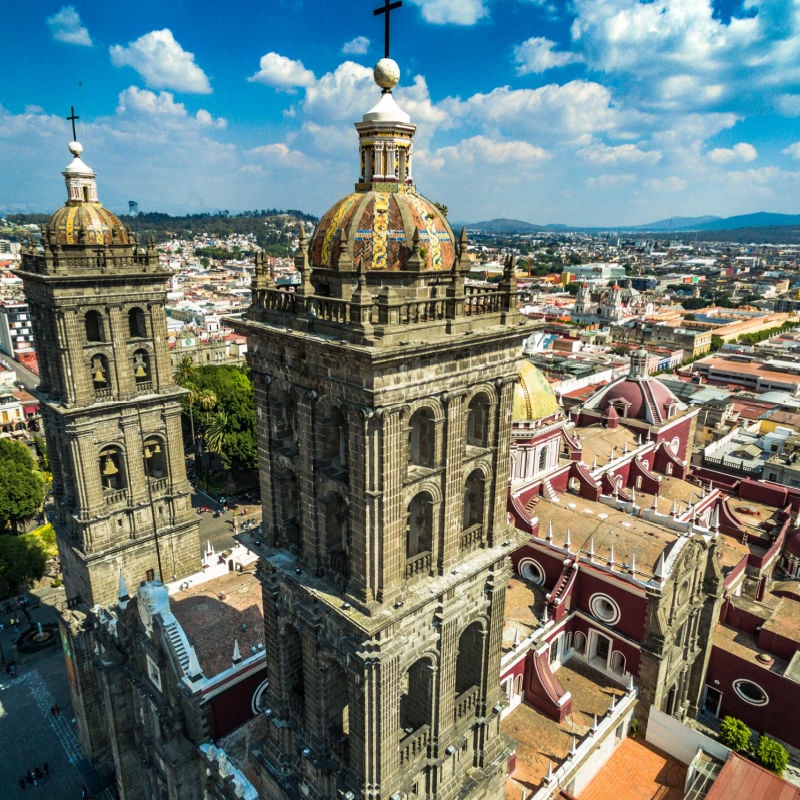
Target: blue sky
(589, 112)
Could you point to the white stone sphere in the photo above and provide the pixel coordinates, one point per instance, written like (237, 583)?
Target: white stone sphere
(387, 73)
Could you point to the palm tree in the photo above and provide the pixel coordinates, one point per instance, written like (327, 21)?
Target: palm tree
(207, 400)
(185, 371)
(215, 431)
(191, 398)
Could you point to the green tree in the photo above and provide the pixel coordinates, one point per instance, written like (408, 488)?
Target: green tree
(735, 734)
(233, 391)
(21, 495)
(771, 755)
(40, 443)
(207, 401)
(22, 561)
(215, 431)
(184, 371)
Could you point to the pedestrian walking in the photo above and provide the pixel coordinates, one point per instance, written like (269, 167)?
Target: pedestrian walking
(45, 768)
(22, 782)
(85, 793)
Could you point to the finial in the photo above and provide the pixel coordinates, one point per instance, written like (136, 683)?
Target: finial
(237, 656)
(195, 670)
(122, 592)
(611, 557)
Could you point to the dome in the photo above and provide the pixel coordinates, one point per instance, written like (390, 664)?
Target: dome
(637, 396)
(379, 229)
(534, 398)
(792, 545)
(83, 220)
(86, 223)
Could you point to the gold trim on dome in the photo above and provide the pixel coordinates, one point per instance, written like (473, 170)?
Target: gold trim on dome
(380, 230)
(433, 243)
(333, 227)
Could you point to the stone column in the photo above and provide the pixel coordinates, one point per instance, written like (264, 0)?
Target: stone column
(306, 438)
(453, 481)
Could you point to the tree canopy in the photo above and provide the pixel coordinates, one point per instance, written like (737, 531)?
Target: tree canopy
(735, 734)
(21, 487)
(772, 755)
(234, 413)
(22, 561)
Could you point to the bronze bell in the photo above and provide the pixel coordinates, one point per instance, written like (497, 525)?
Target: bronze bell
(109, 467)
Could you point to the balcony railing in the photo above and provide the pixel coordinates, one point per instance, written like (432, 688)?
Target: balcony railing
(466, 703)
(472, 537)
(159, 484)
(419, 564)
(415, 744)
(103, 394)
(114, 496)
(144, 387)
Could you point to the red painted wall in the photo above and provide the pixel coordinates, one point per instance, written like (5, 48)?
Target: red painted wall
(231, 708)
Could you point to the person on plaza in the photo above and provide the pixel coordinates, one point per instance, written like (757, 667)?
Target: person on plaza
(46, 768)
(85, 793)
(22, 782)
(37, 776)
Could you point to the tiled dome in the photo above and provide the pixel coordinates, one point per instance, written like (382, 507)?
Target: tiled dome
(534, 397)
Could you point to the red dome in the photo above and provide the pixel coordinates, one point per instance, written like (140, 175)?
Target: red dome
(792, 545)
(637, 396)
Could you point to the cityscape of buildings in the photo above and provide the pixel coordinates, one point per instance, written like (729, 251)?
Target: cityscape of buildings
(521, 528)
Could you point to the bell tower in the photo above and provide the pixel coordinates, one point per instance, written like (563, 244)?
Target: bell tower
(384, 389)
(110, 406)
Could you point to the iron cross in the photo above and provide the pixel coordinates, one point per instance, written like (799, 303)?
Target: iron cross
(386, 9)
(72, 117)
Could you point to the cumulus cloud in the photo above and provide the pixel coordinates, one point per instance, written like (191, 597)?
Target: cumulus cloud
(356, 47)
(743, 152)
(537, 54)
(671, 184)
(341, 94)
(282, 72)
(162, 62)
(452, 12)
(136, 101)
(793, 151)
(280, 154)
(611, 181)
(788, 105)
(490, 151)
(625, 153)
(65, 26)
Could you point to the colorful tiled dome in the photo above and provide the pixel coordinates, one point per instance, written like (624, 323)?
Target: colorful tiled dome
(534, 398)
(379, 228)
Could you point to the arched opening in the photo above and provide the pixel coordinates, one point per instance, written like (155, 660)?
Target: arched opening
(337, 533)
(112, 469)
(283, 420)
(332, 441)
(136, 323)
(419, 535)
(618, 662)
(470, 658)
(579, 642)
(542, 460)
(292, 673)
(94, 327)
(141, 367)
(155, 458)
(101, 377)
(337, 708)
(478, 421)
(416, 696)
(474, 497)
(422, 439)
(287, 501)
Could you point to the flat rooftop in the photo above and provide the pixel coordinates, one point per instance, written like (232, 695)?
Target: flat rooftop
(598, 441)
(217, 613)
(637, 770)
(541, 741)
(524, 608)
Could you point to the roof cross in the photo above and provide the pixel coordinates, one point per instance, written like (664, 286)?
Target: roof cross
(72, 117)
(386, 9)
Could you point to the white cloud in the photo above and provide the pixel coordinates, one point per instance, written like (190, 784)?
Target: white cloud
(483, 150)
(162, 62)
(793, 151)
(741, 152)
(341, 94)
(610, 181)
(788, 105)
(625, 153)
(535, 55)
(456, 12)
(280, 155)
(282, 72)
(65, 25)
(671, 184)
(356, 47)
(134, 101)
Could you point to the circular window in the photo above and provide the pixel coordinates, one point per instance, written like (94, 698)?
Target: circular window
(531, 570)
(604, 608)
(257, 700)
(750, 692)
(675, 445)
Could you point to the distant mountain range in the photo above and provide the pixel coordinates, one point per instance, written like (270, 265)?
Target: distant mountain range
(761, 219)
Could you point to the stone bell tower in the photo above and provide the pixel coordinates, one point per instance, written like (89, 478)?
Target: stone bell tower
(384, 390)
(110, 406)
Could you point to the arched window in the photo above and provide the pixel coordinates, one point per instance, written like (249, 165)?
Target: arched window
(474, 499)
(579, 642)
(155, 458)
(337, 533)
(112, 469)
(136, 323)
(283, 420)
(141, 366)
(470, 658)
(101, 377)
(287, 501)
(478, 421)
(422, 439)
(332, 440)
(94, 327)
(617, 662)
(419, 536)
(416, 695)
